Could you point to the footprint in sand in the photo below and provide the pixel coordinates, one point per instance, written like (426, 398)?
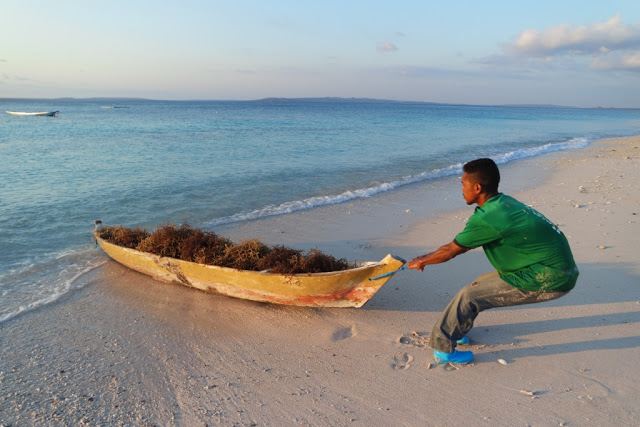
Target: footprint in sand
(416, 339)
(343, 333)
(402, 361)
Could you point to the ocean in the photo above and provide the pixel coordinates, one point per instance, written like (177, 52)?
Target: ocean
(213, 163)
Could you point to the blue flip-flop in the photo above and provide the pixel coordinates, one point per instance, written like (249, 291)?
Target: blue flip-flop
(457, 357)
(462, 341)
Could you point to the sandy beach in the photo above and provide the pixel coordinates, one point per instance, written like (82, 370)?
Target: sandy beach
(128, 350)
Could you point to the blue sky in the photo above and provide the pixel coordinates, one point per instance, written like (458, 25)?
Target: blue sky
(581, 53)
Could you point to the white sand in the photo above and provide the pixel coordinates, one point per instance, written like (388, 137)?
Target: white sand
(127, 350)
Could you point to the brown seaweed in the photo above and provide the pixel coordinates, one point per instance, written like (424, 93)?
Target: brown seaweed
(282, 260)
(245, 256)
(123, 236)
(166, 240)
(317, 262)
(206, 247)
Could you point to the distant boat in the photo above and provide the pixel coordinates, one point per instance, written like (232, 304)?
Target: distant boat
(42, 113)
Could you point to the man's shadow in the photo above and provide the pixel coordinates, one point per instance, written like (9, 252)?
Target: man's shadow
(504, 334)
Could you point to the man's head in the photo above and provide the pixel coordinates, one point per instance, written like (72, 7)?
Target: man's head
(480, 180)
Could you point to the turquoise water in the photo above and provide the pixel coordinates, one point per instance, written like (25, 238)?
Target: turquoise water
(210, 163)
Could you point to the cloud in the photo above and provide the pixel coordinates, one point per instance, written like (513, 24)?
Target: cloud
(630, 62)
(612, 44)
(417, 72)
(18, 78)
(386, 47)
(610, 35)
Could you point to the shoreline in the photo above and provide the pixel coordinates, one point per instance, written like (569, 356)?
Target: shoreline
(126, 349)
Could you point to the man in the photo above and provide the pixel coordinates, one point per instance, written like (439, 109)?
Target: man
(531, 255)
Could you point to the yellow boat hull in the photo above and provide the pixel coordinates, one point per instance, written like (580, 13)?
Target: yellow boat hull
(348, 288)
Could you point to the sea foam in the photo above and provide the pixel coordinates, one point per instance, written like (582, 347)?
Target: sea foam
(454, 169)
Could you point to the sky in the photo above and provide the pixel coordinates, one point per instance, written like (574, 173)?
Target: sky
(576, 53)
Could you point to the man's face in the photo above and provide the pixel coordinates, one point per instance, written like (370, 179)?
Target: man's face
(470, 188)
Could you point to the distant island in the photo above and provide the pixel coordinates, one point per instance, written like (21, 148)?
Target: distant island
(390, 101)
(333, 99)
(327, 99)
(69, 99)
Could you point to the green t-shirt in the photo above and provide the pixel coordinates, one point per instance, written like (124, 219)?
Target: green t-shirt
(528, 251)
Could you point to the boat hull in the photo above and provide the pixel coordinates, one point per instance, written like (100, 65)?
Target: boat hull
(41, 113)
(348, 288)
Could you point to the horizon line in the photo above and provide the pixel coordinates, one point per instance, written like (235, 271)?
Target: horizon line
(304, 99)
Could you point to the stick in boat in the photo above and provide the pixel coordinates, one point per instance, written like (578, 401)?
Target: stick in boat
(404, 267)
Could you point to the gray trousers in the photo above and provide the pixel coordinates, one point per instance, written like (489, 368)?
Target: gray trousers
(487, 291)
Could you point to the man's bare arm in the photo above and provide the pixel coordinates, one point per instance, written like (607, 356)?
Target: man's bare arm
(442, 254)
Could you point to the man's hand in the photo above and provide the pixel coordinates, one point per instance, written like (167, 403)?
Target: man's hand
(442, 254)
(416, 263)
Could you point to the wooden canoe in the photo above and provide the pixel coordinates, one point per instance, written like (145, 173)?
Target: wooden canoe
(348, 288)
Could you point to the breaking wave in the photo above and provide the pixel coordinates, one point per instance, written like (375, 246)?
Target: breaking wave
(454, 169)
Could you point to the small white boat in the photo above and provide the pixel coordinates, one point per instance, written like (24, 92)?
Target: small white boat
(41, 113)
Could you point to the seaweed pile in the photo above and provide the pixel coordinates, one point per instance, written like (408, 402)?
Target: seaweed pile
(206, 247)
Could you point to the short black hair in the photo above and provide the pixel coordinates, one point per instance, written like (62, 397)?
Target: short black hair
(486, 173)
